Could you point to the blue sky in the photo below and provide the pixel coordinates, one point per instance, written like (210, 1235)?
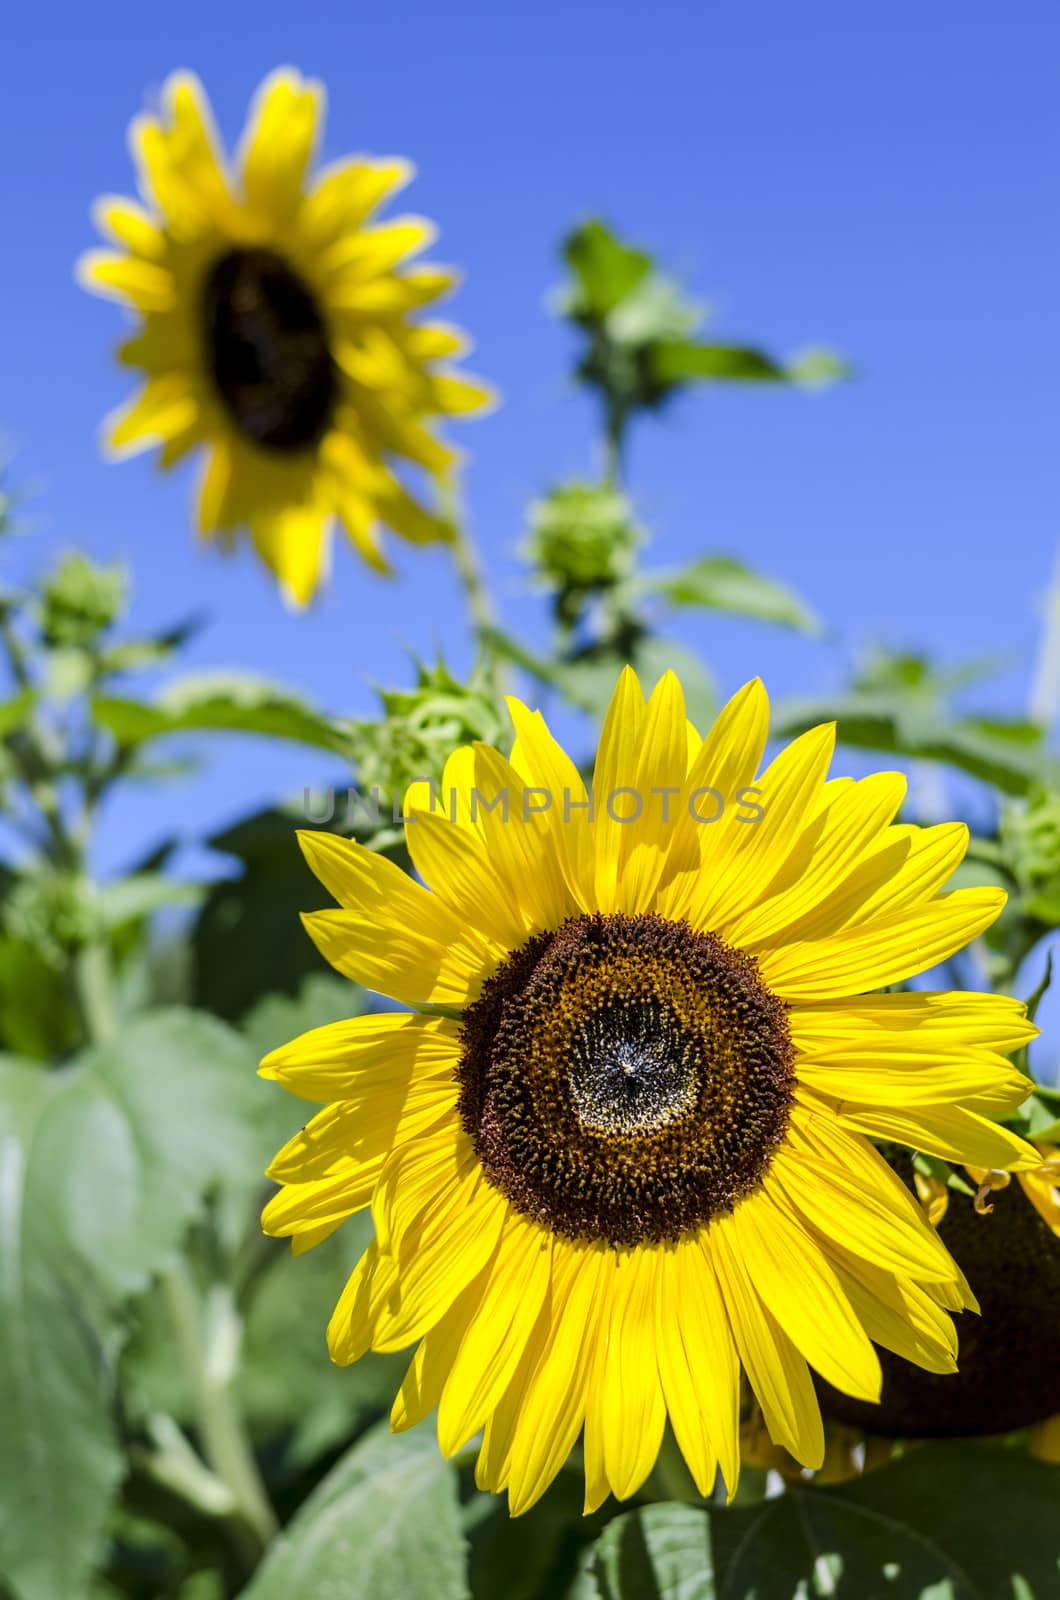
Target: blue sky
(882, 179)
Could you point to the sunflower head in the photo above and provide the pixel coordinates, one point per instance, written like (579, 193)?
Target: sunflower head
(279, 331)
(620, 1148)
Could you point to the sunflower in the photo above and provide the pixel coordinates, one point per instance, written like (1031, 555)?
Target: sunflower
(277, 331)
(621, 1149)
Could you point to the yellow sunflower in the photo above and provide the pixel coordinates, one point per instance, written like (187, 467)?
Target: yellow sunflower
(277, 330)
(623, 1147)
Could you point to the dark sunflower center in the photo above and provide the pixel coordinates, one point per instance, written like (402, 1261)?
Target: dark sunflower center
(625, 1078)
(267, 350)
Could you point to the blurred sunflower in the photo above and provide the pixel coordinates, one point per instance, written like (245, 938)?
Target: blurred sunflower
(627, 1149)
(276, 330)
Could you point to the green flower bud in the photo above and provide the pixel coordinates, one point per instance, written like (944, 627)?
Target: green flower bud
(79, 600)
(420, 728)
(582, 540)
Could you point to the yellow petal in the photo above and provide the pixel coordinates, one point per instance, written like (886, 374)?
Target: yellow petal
(847, 1192)
(180, 167)
(369, 252)
(794, 1279)
(279, 142)
(129, 225)
(826, 856)
(456, 864)
(452, 1241)
(549, 1400)
(657, 778)
(144, 284)
(496, 1337)
(364, 1055)
(632, 1413)
(294, 542)
(165, 407)
(394, 936)
(952, 1132)
(698, 1366)
(546, 768)
(887, 950)
(933, 1019)
(917, 1078)
(777, 1373)
(616, 758)
(359, 1130)
(348, 193)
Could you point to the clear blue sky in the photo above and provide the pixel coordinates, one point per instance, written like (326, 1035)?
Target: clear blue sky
(880, 178)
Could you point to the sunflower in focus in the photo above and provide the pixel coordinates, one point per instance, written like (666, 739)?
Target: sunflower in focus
(277, 330)
(620, 1149)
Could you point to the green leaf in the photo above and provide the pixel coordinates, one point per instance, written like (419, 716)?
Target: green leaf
(817, 368)
(913, 723)
(384, 1522)
(605, 269)
(675, 361)
(141, 895)
(531, 1557)
(721, 583)
(230, 701)
(139, 1129)
(945, 1522)
(59, 1462)
(14, 712)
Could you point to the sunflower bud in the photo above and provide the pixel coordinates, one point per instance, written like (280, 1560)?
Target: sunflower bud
(582, 540)
(79, 601)
(420, 727)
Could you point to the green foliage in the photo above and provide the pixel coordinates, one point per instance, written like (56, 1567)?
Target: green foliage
(384, 1522)
(721, 583)
(232, 702)
(962, 1523)
(639, 332)
(59, 1457)
(900, 705)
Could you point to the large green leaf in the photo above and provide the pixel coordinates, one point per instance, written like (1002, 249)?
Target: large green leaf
(139, 1129)
(59, 1461)
(236, 702)
(721, 583)
(1006, 754)
(384, 1523)
(946, 1522)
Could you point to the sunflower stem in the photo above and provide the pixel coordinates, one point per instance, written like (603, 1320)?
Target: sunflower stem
(472, 574)
(208, 1337)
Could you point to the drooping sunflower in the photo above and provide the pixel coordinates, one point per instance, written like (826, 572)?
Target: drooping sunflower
(278, 330)
(622, 1147)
